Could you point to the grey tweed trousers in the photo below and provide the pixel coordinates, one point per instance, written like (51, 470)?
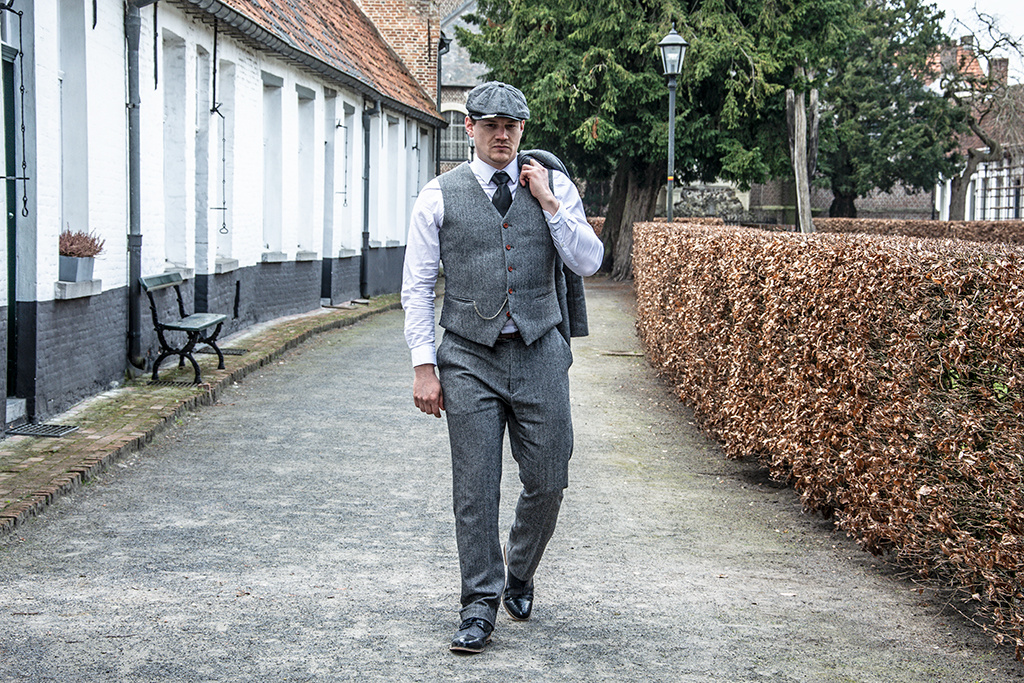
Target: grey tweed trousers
(524, 389)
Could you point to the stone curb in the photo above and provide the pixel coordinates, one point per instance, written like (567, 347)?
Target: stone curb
(119, 444)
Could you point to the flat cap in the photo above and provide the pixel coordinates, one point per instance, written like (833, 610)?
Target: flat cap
(494, 98)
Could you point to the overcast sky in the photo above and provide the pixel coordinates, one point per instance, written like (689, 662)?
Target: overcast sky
(1009, 15)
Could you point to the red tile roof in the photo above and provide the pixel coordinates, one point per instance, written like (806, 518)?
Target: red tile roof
(332, 37)
(1000, 113)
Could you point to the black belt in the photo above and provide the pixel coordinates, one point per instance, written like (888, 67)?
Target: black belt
(509, 335)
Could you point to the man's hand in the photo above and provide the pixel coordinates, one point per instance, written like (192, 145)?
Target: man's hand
(535, 176)
(426, 390)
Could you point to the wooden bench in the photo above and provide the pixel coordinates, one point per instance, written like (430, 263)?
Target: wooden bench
(194, 326)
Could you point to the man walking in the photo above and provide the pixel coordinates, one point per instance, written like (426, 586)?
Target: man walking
(502, 231)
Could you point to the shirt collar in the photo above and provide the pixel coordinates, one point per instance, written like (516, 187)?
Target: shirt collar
(483, 170)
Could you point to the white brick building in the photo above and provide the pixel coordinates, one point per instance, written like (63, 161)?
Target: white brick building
(280, 144)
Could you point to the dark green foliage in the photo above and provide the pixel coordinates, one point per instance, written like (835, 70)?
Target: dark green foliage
(589, 71)
(592, 75)
(593, 78)
(880, 124)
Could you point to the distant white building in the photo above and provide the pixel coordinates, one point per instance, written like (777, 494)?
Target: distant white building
(280, 144)
(994, 191)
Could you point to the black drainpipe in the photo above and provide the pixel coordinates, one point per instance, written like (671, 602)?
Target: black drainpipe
(132, 30)
(364, 283)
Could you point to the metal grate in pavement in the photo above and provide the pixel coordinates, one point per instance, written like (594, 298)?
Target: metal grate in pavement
(41, 430)
(226, 352)
(169, 383)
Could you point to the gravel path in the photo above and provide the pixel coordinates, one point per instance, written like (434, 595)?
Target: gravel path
(301, 530)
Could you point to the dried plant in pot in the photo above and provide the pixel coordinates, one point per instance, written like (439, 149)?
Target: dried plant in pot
(77, 254)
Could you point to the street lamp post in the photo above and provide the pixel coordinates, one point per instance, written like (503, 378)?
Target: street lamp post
(443, 44)
(673, 49)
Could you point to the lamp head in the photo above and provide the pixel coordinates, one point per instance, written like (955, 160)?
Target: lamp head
(673, 49)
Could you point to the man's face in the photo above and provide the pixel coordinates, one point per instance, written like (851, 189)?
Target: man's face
(496, 140)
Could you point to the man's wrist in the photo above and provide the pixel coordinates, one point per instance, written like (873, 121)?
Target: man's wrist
(550, 206)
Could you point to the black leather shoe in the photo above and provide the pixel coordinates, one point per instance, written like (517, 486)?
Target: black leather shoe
(472, 635)
(517, 597)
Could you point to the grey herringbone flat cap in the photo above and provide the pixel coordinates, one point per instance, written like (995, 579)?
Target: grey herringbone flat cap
(494, 98)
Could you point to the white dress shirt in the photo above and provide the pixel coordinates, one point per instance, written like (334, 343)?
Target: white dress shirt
(580, 248)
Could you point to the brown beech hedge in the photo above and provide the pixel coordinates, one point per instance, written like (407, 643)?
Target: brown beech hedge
(882, 376)
(1009, 232)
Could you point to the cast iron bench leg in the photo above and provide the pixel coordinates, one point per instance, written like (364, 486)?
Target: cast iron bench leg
(186, 352)
(211, 341)
(199, 378)
(164, 353)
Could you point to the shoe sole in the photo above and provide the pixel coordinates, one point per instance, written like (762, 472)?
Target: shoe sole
(469, 650)
(509, 612)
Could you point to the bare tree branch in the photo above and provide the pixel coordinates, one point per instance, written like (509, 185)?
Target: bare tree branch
(993, 108)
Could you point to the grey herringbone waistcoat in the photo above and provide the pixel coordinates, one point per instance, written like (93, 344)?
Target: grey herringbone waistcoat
(495, 268)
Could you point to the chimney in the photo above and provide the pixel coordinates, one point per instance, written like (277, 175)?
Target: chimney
(948, 58)
(411, 28)
(967, 43)
(998, 70)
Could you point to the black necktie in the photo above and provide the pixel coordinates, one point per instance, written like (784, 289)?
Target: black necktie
(502, 198)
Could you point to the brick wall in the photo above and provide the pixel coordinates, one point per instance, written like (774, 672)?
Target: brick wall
(897, 203)
(226, 293)
(775, 202)
(340, 280)
(81, 348)
(411, 28)
(384, 270)
(259, 293)
(106, 150)
(282, 289)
